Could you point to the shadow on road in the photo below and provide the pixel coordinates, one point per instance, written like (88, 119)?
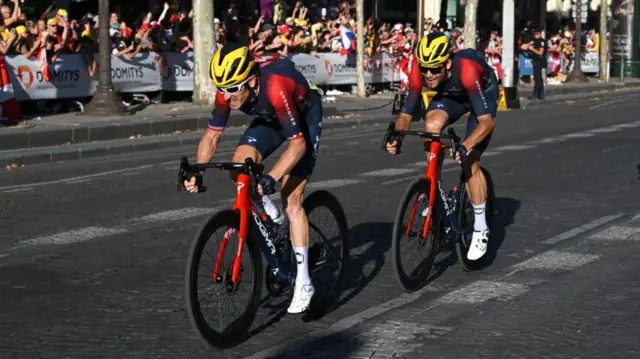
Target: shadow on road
(339, 345)
(369, 244)
(504, 215)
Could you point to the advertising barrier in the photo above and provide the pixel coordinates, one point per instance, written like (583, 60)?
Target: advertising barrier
(148, 72)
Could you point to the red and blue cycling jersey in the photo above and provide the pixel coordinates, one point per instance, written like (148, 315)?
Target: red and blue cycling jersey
(283, 95)
(471, 77)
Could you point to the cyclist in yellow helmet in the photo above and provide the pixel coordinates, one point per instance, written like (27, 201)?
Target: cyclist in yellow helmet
(464, 82)
(286, 108)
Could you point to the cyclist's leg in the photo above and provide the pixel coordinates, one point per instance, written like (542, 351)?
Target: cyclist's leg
(477, 183)
(442, 111)
(292, 195)
(258, 142)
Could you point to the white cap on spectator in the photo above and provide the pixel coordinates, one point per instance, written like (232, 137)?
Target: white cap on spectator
(216, 20)
(398, 27)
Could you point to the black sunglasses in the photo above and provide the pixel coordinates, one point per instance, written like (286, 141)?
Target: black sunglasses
(433, 70)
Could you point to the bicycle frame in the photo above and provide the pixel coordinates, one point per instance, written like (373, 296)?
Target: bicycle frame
(280, 264)
(437, 201)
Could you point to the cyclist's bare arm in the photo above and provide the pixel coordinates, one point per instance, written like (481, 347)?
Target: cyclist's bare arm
(484, 128)
(208, 146)
(289, 159)
(217, 122)
(413, 98)
(403, 122)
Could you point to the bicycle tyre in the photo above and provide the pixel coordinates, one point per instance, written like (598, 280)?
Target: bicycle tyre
(462, 243)
(327, 200)
(239, 328)
(410, 284)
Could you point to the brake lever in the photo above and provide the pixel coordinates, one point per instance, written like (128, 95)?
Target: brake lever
(182, 172)
(390, 132)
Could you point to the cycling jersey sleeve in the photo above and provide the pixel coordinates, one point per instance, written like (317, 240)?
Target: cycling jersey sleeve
(474, 82)
(280, 95)
(415, 89)
(220, 114)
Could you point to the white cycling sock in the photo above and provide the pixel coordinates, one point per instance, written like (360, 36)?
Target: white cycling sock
(272, 210)
(480, 220)
(302, 278)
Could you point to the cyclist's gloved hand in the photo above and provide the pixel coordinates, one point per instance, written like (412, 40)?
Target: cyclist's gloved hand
(267, 185)
(461, 154)
(193, 181)
(394, 144)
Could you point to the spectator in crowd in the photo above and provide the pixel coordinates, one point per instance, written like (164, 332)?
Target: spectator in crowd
(538, 49)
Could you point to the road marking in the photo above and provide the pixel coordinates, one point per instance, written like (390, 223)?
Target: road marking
(78, 181)
(131, 174)
(579, 135)
(388, 172)
(555, 260)
(605, 130)
(482, 291)
(175, 214)
(627, 125)
(78, 235)
(334, 183)
(446, 161)
(515, 147)
(99, 174)
(583, 228)
(616, 232)
(19, 190)
(490, 153)
(551, 140)
(606, 104)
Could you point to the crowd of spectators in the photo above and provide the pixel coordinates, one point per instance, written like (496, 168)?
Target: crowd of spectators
(276, 26)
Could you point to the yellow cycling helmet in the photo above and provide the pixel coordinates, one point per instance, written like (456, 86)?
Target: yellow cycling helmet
(231, 65)
(433, 50)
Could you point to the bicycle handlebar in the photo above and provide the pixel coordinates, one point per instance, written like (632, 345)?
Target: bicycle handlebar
(454, 139)
(253, 170)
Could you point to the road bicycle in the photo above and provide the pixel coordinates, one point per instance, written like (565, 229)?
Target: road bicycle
(442, 220)
(273, 239)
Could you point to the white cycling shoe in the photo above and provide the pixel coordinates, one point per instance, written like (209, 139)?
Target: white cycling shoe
(301, 298)
(479, 244)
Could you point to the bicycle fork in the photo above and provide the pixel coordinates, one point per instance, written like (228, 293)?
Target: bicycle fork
(435, 148)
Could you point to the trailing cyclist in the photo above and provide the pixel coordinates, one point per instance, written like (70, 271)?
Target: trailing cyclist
(286, 108)
(464, 82)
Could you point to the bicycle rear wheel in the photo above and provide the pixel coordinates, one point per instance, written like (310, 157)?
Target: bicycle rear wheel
(328, 249)
(466, 219)
(200, 266)
(413, 204)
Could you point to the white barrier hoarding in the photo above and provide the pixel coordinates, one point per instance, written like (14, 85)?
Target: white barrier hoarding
(137, 74)
(148, 72)
(69, 78)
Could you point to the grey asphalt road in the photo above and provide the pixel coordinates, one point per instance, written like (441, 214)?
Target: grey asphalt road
(92, 252)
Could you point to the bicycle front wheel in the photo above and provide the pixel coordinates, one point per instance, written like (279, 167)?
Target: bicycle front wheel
(328, 248)
(408, 242)
(210, 318)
